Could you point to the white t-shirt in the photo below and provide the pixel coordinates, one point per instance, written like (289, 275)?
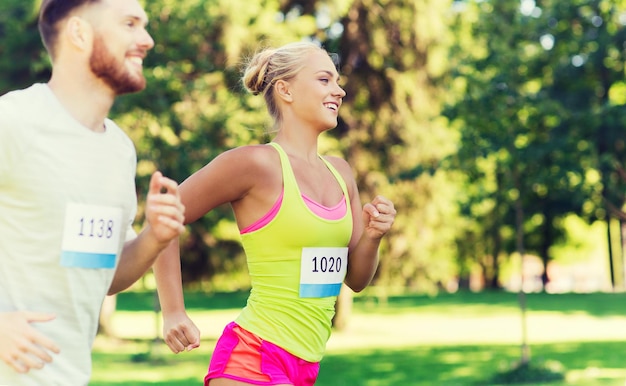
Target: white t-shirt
(67, 204)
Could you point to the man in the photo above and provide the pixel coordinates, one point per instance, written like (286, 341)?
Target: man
(67, 193)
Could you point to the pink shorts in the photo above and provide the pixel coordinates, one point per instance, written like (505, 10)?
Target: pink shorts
(242, 356)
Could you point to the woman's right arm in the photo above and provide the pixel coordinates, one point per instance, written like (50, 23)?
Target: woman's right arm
(179, 331)
(233, 176)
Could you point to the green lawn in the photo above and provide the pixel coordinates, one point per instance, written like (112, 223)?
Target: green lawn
(459, 339)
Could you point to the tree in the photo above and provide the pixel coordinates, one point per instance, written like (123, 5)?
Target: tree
(194, 107)
(393, 57)
(23, 60)
(588, 82)
(517, 139)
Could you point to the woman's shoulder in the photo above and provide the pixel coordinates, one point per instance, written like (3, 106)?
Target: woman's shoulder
(340, 164)
(253, 153)
(252, 156)
(345, 170)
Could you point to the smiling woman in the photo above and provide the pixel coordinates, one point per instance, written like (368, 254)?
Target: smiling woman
(302, 226)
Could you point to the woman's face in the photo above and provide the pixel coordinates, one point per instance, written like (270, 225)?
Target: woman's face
(316, 93)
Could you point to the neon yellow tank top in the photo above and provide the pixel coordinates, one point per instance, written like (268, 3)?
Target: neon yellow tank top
(276, 311)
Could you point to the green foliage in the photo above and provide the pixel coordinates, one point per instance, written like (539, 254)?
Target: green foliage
(457, 111)
(536, 121)
(194, 107)
(393, 136)
(23, 59)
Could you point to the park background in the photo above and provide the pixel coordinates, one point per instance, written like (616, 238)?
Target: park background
(497, 129)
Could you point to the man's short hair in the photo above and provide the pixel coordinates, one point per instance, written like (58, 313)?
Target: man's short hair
(50, 13)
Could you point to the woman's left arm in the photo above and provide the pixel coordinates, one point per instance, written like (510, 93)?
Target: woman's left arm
(370, 223)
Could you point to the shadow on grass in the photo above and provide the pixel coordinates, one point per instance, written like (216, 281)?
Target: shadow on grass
(143, 362)
(584, 363)
(410, 367)
(592, 363)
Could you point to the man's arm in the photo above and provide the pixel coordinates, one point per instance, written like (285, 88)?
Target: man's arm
(164, 221)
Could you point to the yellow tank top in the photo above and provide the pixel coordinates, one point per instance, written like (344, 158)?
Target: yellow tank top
(282, 307)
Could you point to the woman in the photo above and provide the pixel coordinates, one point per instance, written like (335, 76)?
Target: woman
(302, 227)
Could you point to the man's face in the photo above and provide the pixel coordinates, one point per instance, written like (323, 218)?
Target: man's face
(120, 43)
(114, 71)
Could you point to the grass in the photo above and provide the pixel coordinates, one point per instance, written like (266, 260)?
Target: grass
(451, 339)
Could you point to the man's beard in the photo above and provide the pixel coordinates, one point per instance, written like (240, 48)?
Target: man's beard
(112, 72)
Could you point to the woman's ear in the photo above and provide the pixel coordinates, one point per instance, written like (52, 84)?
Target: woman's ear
(283, 91)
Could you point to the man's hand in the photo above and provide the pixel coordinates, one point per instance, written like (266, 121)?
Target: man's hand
(165, 213)
(22, 347)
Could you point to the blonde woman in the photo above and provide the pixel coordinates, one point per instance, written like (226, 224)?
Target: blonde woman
(302, 227)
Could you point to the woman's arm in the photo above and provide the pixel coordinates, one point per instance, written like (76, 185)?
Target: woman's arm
(233, 177)
(179, 331)
(377, 218)
(369, 224)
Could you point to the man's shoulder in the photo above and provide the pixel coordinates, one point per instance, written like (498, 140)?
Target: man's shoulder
(115, 130)
(30, 91)
(28, 98)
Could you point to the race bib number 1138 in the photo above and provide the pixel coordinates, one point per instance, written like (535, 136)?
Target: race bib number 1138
(91, 236)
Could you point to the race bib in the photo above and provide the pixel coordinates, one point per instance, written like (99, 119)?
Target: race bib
(91, 236)
(322, 271)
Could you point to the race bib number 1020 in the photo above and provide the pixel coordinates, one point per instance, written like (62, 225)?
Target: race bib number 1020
(91, 236)
(322, 271)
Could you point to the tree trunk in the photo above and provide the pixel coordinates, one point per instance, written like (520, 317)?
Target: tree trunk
(622, 227)
(343, 308)
(521, 249)
(609, 242)
(546, 242)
